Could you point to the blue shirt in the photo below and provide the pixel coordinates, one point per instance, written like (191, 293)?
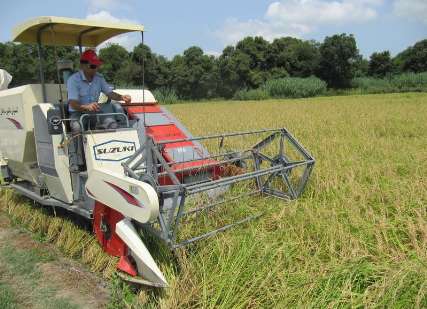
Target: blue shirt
(80, 89)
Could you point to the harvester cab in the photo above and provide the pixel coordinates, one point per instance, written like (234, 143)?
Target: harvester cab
(147, 173)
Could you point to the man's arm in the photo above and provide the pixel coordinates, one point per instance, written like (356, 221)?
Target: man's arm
(108, 91)
(92, 107)
(118, 97)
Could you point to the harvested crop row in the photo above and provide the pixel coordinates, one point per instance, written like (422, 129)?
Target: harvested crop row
(70, 239)
(78, 243)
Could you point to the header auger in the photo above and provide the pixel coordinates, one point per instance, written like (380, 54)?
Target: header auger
(148, 172)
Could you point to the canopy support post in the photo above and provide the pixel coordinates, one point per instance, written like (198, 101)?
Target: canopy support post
(143, 68)
(79, 42)
(40, 54)
(58, 76)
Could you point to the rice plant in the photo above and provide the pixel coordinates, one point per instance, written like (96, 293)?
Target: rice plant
(356, 238)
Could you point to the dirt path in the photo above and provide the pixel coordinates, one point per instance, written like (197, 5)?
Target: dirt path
(34, 274)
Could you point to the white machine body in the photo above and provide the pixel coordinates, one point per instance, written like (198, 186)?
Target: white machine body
(38, 157)
(17, 125)
(41, 160)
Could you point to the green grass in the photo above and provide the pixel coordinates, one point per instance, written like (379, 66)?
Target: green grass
(7, 297)
(252, 94)
(21, 282)
(398, 83)
(356, 238)
(294, 87)
(289, 87)
(67, 236)
(24, 262)
(165, 95)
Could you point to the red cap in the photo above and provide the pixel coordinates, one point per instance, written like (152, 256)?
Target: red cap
(91, 57)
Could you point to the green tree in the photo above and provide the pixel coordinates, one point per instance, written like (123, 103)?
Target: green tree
(245, 66)
(338, 55)
(234, 67)
(256, 50)
(194, 74)
(380, 64)
(22, 61)
(298, 58)
(115, 62)
(50, 60)
(156, 68)
(413, 58)
(361, 67)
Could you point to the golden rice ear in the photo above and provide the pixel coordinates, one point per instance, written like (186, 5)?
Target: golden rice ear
(54, 228)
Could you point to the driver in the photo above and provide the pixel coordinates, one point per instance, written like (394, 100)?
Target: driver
(84, 88)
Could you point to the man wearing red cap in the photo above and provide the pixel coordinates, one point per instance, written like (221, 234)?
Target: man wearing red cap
(84, 88)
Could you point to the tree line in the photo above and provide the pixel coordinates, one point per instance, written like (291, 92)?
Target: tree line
(248, 65)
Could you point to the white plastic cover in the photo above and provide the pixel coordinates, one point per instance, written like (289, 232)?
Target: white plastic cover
(5, 79)
(147, 268)
(137, 95)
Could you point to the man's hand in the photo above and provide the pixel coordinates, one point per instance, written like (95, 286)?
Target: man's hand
(92, 107)
(115, 96)
(126, 98)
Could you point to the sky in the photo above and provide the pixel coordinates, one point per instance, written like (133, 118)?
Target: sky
(173, 26)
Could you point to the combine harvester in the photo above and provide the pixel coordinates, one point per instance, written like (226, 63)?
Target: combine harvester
(148, 172)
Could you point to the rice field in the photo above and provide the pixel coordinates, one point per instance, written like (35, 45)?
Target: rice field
(356, 238)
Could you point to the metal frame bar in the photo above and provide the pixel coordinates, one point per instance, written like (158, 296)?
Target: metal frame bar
(216, 231)
(200, 138)
(25, 189)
